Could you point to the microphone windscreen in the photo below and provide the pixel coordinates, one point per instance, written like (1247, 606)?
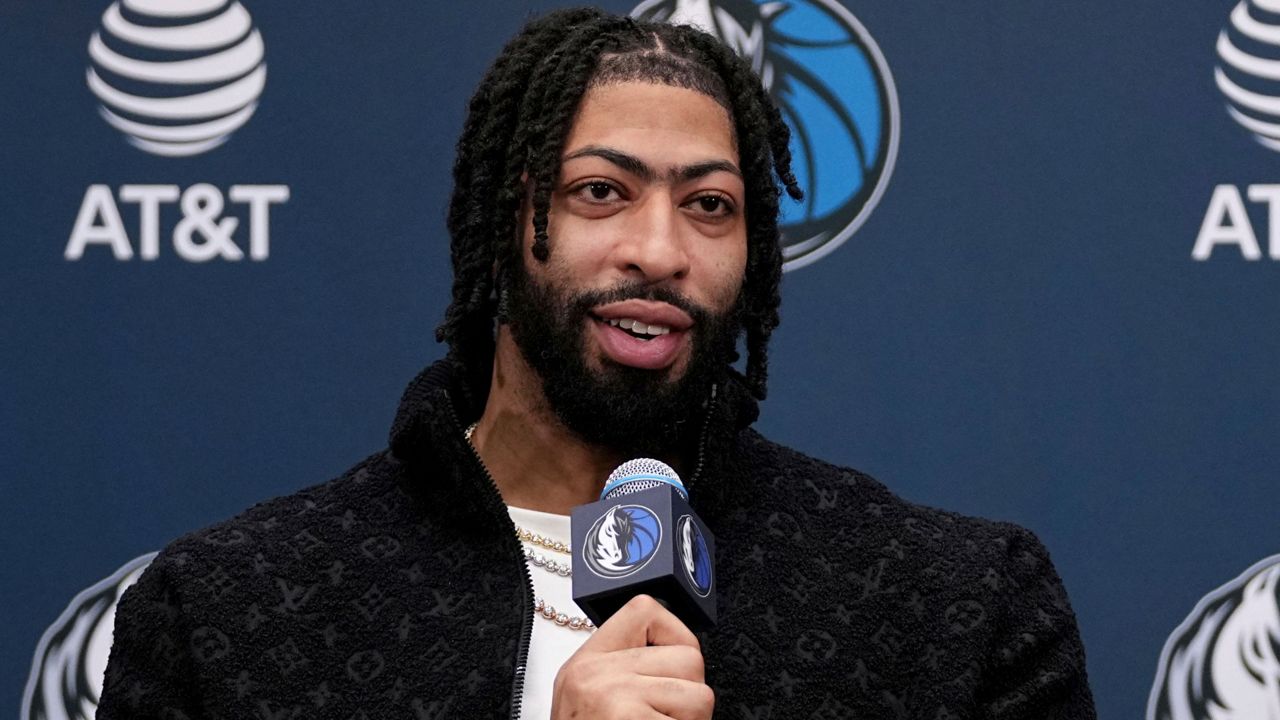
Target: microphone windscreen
(641, 474)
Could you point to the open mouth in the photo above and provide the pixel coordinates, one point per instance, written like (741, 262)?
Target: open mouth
(636, 328)
(640, 344)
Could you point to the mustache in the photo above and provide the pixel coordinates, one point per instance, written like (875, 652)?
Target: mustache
(583, 302)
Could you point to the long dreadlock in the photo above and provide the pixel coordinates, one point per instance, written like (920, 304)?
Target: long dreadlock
(517, 124)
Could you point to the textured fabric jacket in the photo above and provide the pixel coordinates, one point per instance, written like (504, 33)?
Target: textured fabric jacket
(399, 591)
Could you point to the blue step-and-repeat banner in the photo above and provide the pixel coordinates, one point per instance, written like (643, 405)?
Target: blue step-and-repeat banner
(1037, 278)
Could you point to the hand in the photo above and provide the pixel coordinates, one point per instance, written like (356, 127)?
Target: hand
(642, 663)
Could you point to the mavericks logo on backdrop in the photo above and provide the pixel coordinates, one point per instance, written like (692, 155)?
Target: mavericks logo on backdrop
(622, 540)
(177, 77)
(1222, 662)
(66, 675)
(835, 91)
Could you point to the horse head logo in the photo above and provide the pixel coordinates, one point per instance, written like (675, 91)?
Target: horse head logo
(1223, 661)
(622, 540)
(834, 90)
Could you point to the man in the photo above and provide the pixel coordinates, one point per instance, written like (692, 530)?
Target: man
(615, 209)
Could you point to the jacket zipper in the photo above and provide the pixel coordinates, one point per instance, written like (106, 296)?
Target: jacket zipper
(526, 627)
(702, 440)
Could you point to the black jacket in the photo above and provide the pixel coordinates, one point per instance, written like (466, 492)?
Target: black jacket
(399, 591)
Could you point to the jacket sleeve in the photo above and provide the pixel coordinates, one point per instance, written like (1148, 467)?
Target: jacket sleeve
(1036, 666)
(149, 674)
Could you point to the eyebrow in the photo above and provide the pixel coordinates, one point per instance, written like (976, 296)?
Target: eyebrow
(637, 167)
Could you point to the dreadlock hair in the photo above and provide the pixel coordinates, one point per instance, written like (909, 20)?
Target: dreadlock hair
(517, 124)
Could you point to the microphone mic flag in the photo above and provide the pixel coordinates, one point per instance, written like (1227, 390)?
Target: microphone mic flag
(642, 537)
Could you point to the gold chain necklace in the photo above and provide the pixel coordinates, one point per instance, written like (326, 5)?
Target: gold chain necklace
(525, 535)
(541, 607)
(543, 541)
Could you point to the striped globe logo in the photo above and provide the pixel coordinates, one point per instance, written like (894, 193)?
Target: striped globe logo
(1248, 72)
(177, 77)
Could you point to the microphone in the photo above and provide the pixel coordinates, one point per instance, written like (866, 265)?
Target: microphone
(642, 537)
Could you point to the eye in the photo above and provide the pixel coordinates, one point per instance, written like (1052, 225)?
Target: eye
(597, 191)
(713, 205)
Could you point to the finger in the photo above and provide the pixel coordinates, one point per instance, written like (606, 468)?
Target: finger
(673, 661)
(678, 699)
(642, 621)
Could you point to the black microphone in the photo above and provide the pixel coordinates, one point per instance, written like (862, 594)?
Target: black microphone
(642, 537)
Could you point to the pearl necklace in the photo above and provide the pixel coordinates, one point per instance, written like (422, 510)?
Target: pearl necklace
(541, 607)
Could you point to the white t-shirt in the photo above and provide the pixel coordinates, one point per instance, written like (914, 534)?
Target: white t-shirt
(550, 644)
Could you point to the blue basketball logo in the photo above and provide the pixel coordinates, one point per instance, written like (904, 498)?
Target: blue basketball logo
(622, 540)
(694, 555)
(835, 91)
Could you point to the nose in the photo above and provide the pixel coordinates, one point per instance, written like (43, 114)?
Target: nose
(654, 249)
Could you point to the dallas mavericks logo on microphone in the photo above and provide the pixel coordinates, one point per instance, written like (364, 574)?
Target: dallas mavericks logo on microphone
(622, 540)
(66, 676)
(1223, 661)
(694, 556)
(834, 89)
(177, 77)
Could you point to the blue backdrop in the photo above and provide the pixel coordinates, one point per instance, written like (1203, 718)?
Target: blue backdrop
(1018, 330)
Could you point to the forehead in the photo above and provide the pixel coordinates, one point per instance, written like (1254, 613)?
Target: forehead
(656, 121)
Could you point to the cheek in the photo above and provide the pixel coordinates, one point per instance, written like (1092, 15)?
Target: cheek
(566, 233)
(726, 271)
(581, 247)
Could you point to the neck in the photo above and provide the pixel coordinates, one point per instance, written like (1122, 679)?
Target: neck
(536, 462)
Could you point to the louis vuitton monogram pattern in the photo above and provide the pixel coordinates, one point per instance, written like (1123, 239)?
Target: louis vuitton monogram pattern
(395, 592)
(863, 606)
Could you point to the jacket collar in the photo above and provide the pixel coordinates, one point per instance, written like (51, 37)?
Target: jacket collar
(442, 400)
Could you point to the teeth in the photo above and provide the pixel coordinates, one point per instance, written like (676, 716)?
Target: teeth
(638, 327)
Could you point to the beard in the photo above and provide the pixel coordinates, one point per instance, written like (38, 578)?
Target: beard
(632, 411)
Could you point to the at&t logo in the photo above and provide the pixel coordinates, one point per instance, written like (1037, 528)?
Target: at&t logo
(177, 77)
(622, 540)
(1248, 75)
(834, 89)
(202, 234)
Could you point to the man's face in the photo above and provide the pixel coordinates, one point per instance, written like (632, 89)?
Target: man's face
(635, 313)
